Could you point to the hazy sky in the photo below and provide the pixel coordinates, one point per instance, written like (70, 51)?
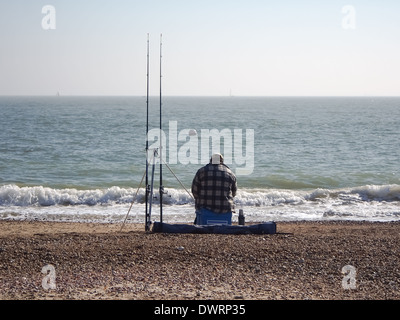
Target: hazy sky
(210, 47)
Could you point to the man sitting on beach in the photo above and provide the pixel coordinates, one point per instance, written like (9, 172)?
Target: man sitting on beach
(214, 188)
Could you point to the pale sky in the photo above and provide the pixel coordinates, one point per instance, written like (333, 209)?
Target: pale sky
(210, 47)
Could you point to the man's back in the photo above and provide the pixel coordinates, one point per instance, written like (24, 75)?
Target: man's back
(214, 188)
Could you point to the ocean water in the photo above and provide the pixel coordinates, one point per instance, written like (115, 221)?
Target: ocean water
(305, 158)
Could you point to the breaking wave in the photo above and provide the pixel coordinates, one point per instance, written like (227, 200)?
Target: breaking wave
(13, 195)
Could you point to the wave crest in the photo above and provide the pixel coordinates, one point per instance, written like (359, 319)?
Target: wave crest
(12, 195)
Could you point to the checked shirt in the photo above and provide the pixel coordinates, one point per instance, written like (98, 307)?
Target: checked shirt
(214, 188)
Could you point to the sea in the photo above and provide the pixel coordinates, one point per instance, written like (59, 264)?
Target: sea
(84, 159)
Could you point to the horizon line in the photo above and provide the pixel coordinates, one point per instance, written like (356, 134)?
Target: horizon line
(200, 96)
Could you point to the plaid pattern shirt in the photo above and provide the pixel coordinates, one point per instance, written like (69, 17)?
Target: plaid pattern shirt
(214, 188)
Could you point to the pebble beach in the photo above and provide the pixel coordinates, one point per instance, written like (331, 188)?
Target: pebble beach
(336, 260)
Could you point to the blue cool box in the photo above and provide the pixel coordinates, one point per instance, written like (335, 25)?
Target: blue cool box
(207, 217)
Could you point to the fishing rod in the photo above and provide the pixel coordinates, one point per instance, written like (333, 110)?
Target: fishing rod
(147, 213)
(156, 152)
(161, 147)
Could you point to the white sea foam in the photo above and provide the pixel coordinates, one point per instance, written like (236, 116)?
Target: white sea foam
(12, 195)
(370, 202)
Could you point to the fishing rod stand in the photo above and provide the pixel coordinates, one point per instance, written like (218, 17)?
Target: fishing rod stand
(150, 189)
